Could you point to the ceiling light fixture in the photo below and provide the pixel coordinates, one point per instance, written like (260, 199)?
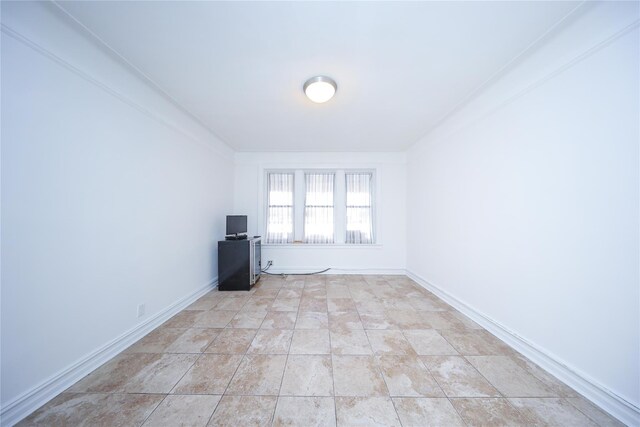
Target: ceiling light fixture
(320, 89)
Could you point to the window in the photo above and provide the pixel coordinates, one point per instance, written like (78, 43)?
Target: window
(359, 215)
(280, 207)
(318, 207)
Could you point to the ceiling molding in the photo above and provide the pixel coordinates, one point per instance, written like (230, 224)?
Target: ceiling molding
(543, 79)
(505, 69)
(8, 31)
(138, 72)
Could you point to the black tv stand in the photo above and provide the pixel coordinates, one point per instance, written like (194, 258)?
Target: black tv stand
(235, 237)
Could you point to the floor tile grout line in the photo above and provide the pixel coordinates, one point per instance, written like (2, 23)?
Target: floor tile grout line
(286, 363)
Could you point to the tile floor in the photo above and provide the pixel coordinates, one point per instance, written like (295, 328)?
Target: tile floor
(320, 351)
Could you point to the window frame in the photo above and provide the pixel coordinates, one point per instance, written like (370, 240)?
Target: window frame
(339, 210)
(267, 205)
(373, 207)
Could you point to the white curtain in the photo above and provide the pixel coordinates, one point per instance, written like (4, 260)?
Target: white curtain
(318, 207)
(280, 208)
(359, 207)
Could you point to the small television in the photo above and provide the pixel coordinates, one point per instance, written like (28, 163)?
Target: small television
(236, 224)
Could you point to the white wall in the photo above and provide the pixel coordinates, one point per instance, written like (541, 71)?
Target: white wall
(111, 197)
(524, 205)
(386, 256)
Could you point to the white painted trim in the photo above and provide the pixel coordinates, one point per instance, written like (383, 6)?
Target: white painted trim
(82, 28)
(322, 245)
(223, 150)
(597, 393)
(334, 271)
(32, 399)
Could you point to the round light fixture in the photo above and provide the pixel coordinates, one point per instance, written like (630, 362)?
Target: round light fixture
(320, 89)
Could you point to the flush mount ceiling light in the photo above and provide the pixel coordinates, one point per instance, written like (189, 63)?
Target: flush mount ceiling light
(320, 89)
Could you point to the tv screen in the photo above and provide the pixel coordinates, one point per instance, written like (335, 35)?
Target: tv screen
(236, 224)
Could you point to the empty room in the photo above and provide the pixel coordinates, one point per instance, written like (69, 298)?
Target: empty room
(320, 213)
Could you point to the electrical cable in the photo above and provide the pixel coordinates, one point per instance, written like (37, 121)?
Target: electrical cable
(269, 264)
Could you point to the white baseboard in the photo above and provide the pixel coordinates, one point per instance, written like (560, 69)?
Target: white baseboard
(333, 271)
(26, 403)
(606, 399)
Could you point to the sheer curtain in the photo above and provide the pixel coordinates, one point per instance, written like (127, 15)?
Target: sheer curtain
(280, 208)
(359, 207)
(318, 207)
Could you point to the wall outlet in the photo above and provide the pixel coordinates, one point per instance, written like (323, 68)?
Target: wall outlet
(141, 310)
(270, 261)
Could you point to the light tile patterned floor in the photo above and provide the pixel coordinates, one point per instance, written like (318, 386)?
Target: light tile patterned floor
(320, 351)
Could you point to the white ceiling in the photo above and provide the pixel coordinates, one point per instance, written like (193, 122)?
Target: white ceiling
(239, 66)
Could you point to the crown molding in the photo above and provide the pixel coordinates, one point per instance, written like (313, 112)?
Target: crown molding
(133, 69)
(549, 34)
(10, 32)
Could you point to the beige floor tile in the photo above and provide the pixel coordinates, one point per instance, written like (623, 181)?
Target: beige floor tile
(285, 304)
(161, 375)
(156, 341)
(315, 291)
(290, 293)
(258, 303)
(596, 414)
(337, 290)
(372, 306)
(181, 410)
(428, 342)
(357, 376)
(194, 340)
(552, 412)
(247, 319)
(468, 323)
(427, 304)
(312, 320)
(423, 412)
(204, 303)
(310, 341)
(407, 376)
(340, 304)
(377, 336)
(366, 411)
(310, 303)
(184, 319)
(279, 320)
(555, 385)
(482, 412)
(266, 292)
(389, 342)
(475, 342)
(215, 319)
(307, 376)
(231, 303)
(377, 321)
(209, 375)
(113, 375)
(232, 341)
(344, 320)
(305, 411)
(509, 378)
(95, 409)
(271, 341)
(258, 374)
(408, 319)
(350, 342)
(458, 378)
(245, 411)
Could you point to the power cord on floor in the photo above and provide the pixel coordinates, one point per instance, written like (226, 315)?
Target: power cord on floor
(270, 263)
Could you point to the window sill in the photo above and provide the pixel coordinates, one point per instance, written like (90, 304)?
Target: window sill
(322, 245)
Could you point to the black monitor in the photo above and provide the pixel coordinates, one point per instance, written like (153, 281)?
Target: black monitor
(236, 224)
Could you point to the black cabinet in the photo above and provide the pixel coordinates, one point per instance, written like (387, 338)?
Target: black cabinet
(239, 264)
